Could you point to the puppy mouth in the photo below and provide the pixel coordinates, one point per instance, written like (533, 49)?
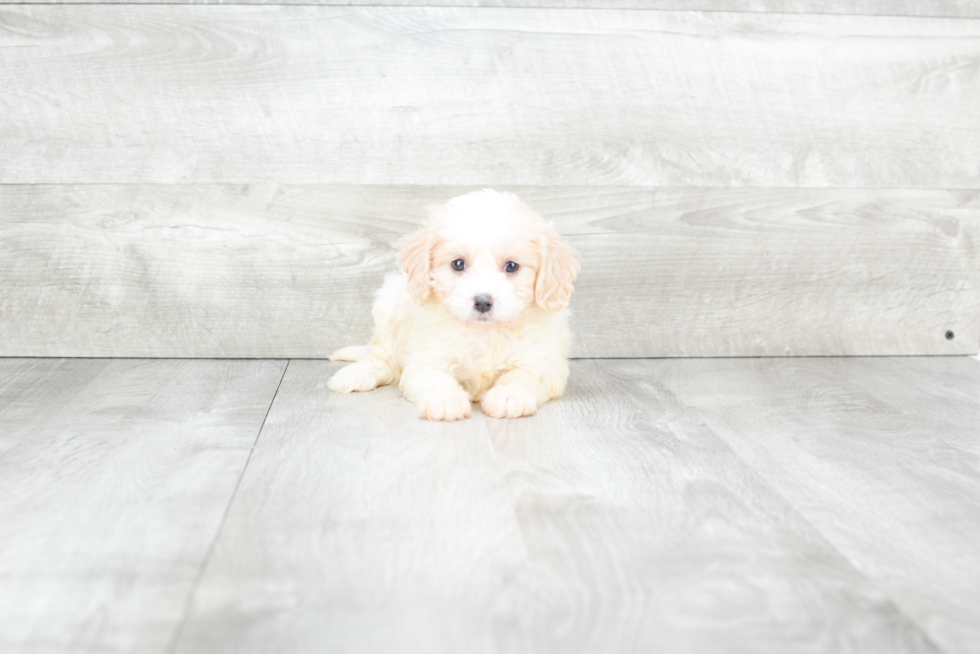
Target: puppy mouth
(486, 319)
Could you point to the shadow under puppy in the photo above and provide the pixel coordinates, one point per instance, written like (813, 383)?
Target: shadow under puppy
(476, 316)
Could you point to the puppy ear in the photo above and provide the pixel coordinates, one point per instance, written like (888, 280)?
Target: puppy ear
(417, 262)
(559, 265)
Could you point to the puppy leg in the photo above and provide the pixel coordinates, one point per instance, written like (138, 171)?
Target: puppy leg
(351, 353)
(518, 393)
(364, 375)
(374, 365)
(437, 394)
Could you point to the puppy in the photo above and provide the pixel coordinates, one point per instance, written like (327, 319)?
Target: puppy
(476, 316)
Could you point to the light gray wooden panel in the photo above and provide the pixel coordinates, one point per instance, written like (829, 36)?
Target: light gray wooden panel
(888, 474)
(613, 521)
(946, 390)
(486, 96)
(935, 8)
(756, 272)
(290, 271)
(114, 479)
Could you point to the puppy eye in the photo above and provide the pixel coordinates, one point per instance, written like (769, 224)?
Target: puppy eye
(459, 264)
(511, 267)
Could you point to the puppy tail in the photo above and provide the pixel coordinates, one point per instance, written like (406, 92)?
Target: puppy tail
(352, 353)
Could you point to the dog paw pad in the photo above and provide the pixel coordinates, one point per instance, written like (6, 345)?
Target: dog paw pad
(455, 406)
(509, 401)
(353, 378)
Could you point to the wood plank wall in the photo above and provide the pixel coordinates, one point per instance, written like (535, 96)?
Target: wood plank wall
(960, 8)
(210, 180)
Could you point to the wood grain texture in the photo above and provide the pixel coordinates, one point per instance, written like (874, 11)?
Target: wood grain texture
(114, 479)
(613, 521)
(166, 94)
(922, 8)
(871, 457)
(290, 271)
(947, 393)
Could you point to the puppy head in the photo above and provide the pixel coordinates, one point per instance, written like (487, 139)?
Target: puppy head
(487, 257)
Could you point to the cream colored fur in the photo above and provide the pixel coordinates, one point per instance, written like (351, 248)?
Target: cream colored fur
(433, 341)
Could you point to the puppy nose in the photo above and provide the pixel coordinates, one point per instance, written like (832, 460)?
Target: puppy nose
(482, 303)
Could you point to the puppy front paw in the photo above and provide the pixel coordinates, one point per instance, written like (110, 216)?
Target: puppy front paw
(445, 406)
(353, 378)
(509, 401)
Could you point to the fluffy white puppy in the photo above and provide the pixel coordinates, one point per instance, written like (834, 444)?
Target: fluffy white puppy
(476, 316)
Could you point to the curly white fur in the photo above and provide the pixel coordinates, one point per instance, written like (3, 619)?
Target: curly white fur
(491, 329)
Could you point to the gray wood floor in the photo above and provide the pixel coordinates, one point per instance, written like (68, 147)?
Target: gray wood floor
(698, 505)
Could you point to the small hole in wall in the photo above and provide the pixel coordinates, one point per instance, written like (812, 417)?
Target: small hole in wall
(949, 335)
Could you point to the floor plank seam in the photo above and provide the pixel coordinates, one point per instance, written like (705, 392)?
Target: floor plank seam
(178, 631)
